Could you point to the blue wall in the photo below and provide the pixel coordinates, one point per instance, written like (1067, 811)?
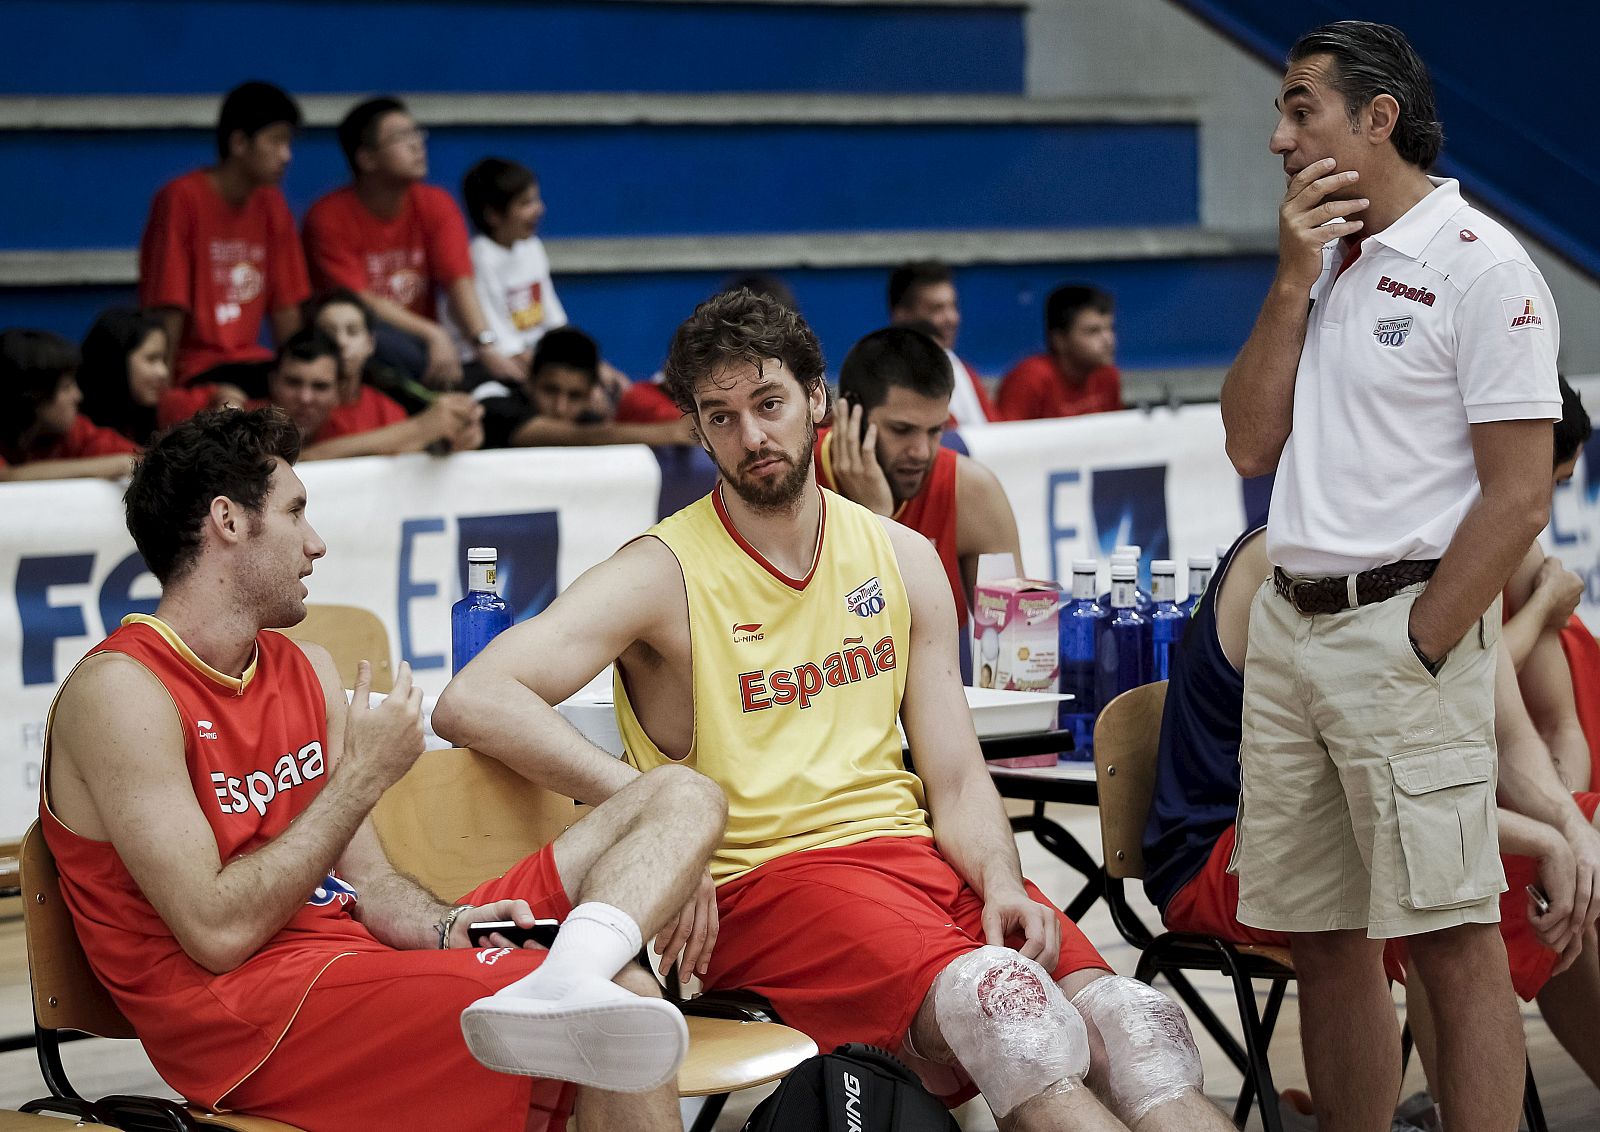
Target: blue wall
(1514, 85)
(501, 45)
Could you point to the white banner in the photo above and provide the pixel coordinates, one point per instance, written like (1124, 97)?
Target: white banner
(397, 531)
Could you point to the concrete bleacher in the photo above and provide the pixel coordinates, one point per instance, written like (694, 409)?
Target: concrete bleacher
(677, 142)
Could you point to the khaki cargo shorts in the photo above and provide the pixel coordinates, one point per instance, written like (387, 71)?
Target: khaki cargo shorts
(1368, 784)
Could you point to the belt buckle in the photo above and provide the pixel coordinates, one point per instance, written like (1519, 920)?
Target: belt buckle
(1295, 587)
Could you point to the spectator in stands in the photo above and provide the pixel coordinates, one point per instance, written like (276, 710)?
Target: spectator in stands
(556, 407)
(925, 291)
(1077, 373)
(219, 251)
(645, 402)
(884, 453)
(42, 434)
(395, 241)
(364, 382)
(305, 385)
(266, 951)
(511, 270)
(125, 381)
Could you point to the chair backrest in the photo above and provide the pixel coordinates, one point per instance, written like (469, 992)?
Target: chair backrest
(66, 993)
(458, 818)
(351, 634)
(1125, 740)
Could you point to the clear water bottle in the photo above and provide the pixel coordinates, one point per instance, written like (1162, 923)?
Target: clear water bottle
(1167, 621)
(1080, 624)
(482, 615)
(1142, 600)
(1122, 659)
(1200, 568)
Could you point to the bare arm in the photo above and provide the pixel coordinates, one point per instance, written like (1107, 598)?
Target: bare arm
(1546, 683)
(462, 298)
(123, 776)
(1513, 462)
(1543, 594)
(444, 367)
(1258, 393)
(985, 523)
(448, 418)
(502, 704)
(285, 324)
(969, 821)
(540, 432)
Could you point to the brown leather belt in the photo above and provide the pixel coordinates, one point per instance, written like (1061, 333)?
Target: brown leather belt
(1330, 595)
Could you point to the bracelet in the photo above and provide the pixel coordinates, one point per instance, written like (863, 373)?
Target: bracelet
(447, 923)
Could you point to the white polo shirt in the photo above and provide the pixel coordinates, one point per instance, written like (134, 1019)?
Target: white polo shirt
(1440, 323)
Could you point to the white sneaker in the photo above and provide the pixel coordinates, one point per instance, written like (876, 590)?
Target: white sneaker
(598, 1035)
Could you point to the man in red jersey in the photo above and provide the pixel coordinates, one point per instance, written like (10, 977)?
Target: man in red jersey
(396, 241)
(206, 796)
(219, 251)
(894, 403)
(1077, 373)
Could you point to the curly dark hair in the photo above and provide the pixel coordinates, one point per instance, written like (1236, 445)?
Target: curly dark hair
(227, 452)
(734, 327)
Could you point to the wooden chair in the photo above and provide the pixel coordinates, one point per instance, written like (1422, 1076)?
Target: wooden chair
(351, 634)
(1126, 737)
(68, 997)
(458, 818)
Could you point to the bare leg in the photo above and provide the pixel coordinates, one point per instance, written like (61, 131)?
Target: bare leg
(1481, 1049)
(655, 1111)
(1348, 1030)
(1419, 1013)
(644, 849)
(1570, 1003)
(1074, 1108)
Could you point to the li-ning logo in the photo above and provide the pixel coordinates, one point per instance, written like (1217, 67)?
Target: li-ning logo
(1520, 314)
(852, 1102)
(1392, 331)
(206, 728)
(867, 599)
(1401, 291)
(744, 634)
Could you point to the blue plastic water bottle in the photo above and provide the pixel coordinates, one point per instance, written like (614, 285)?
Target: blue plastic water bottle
(482, 615)
(1200, 568)
(1080, 624)
(1167, 621)
(1122, 660)
(1142, 600)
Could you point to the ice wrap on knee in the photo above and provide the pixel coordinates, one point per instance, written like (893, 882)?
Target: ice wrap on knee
(1151, 1057)
(1010, 1026)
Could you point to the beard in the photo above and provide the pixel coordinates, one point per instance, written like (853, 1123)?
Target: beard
(777, 494)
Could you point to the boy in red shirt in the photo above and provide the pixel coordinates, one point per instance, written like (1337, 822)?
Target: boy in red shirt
(1076, 374)
(394, 241)
(219, 250)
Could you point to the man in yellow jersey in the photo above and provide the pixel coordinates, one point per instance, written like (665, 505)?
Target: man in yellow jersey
(769, 635)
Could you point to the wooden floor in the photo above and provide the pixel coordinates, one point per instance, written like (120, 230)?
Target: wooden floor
(1572, 1104)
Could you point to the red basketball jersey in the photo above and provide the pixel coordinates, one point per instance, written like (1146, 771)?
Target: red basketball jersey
(255, 749)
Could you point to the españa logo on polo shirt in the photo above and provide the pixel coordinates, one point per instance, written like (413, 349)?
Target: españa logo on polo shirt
(852, 663)
(1401, 290)
(1521, 313)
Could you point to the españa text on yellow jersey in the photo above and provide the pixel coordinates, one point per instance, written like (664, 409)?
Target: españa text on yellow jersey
(797, 686)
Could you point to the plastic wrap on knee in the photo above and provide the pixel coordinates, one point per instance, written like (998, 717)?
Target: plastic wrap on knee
(1010, 1026)
(1151, 1057)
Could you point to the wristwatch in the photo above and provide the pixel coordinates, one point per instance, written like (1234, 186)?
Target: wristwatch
(1432, 666)
(487, 338)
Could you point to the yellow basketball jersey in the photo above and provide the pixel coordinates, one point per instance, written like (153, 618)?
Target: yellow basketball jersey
(797, 686)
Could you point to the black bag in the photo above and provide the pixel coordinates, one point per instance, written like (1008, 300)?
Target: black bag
(856, 1088)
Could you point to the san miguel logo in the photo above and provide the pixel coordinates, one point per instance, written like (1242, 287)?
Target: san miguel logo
(1520, 313)
(1392, 331)
(867, 599)
(1402, 291)
(804, 682)
(744, 634)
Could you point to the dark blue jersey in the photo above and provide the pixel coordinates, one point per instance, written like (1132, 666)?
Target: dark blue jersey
(1197, 770)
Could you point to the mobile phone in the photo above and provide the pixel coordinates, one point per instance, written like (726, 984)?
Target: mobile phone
(543, 932)
(1540, 900)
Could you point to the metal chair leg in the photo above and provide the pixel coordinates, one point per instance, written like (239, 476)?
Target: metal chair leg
(1532, 1110)
(707, 1120)
(1258, 1075)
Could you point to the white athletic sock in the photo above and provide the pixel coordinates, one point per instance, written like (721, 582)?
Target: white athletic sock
(595, 942)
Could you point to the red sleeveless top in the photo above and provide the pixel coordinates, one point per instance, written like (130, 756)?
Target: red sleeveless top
(255, 753)
(1583, 658)
(931, 512)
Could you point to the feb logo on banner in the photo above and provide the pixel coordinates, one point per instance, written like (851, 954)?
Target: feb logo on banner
(1130, 507)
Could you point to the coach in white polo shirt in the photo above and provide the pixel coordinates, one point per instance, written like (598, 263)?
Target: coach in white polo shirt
(1401, 381)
